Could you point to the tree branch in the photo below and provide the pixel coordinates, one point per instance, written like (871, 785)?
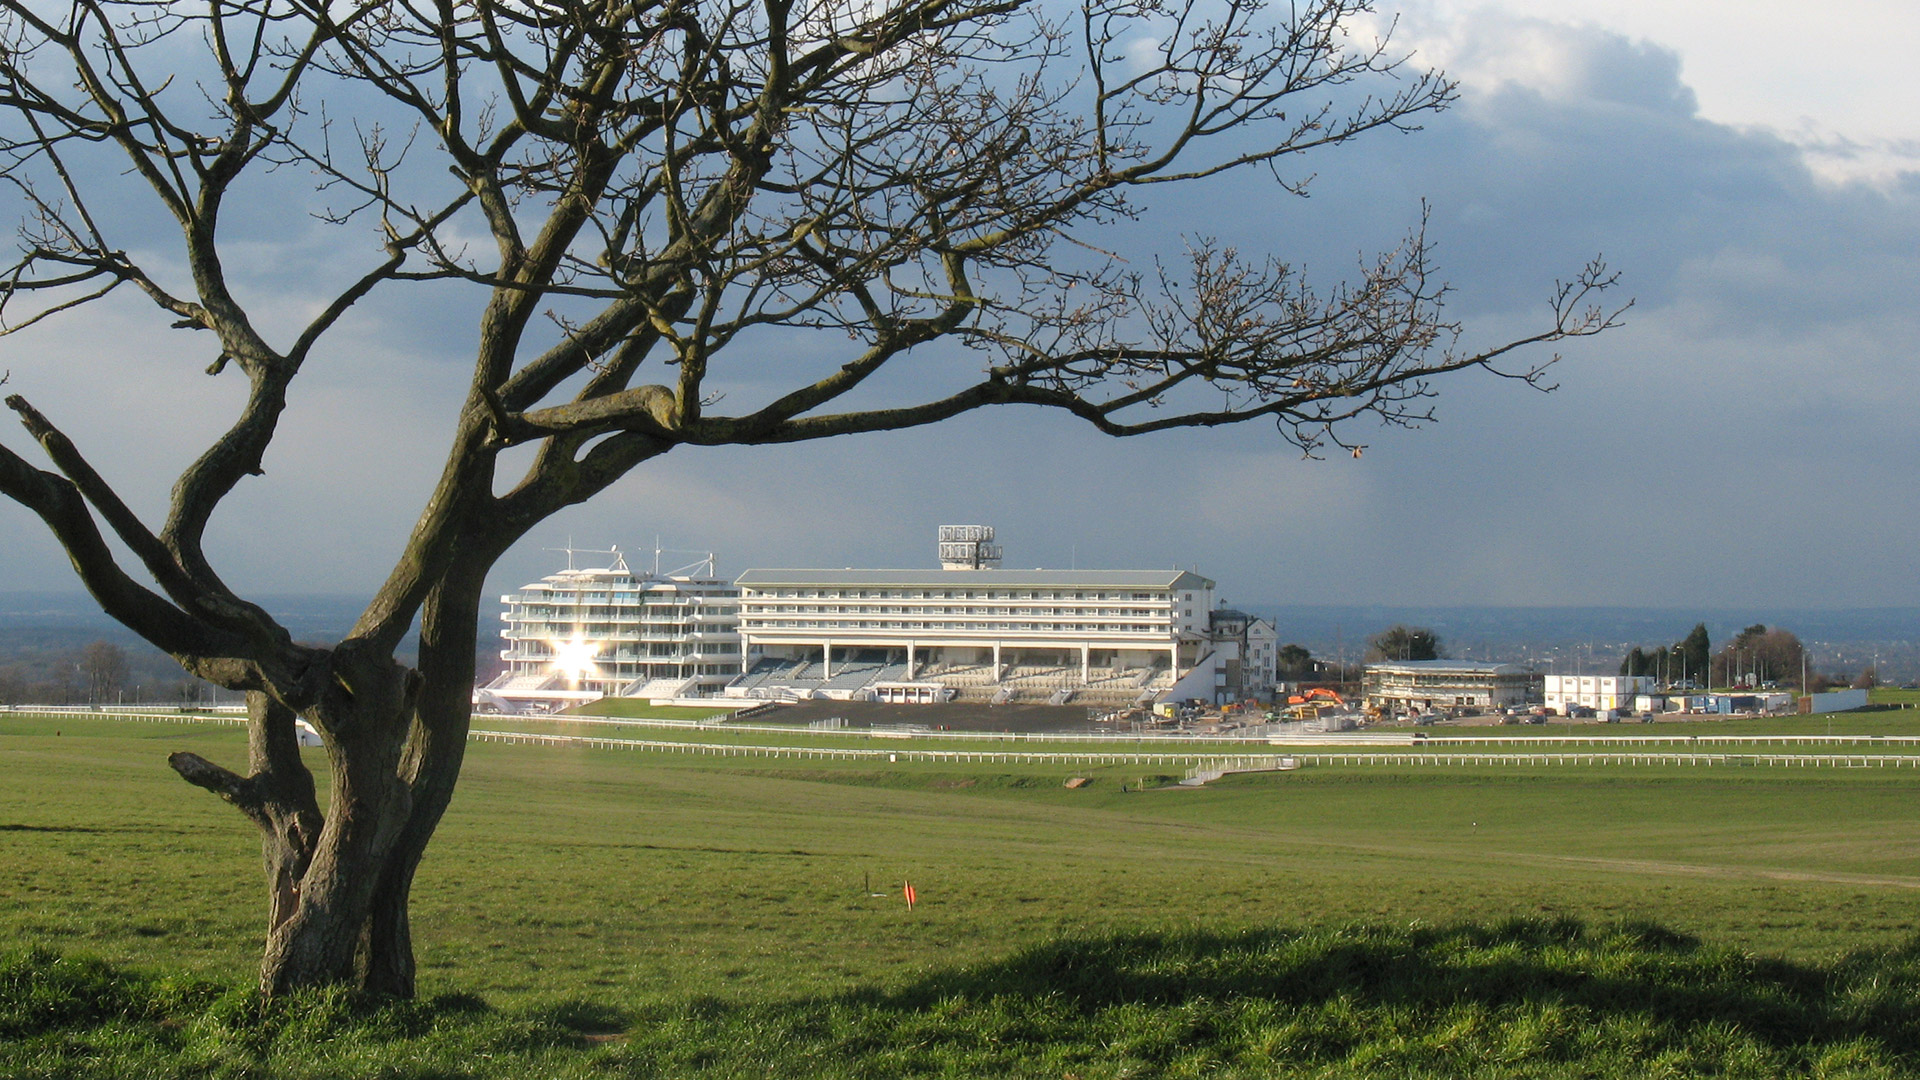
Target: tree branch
(60, 505)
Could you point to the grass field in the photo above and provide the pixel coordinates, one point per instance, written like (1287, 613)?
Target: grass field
(650, 883)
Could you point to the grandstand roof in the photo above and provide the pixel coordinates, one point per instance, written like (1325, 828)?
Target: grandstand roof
(1052, 579)
(1449, 667)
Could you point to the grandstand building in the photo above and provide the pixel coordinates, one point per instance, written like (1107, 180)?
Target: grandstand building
(582, 634)
(973, 632)
(1419, 685)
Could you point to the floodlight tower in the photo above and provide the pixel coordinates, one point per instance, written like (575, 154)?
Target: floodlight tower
(968, 547)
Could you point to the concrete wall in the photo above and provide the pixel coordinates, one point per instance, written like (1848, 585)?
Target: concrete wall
(1833, 701)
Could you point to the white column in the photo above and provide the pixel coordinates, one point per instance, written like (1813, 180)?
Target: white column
(1085, 653)
(1173, 654)
(996, 661)
(910, 668)
(826, 657)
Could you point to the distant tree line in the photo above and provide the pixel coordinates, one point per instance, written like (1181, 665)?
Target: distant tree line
(1757, 655)
(1403, 643)
(98, 673)
(1685, 660)
(1398, 642)
(42, 666)
(1296, 664)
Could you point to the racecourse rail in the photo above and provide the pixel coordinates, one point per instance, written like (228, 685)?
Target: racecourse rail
(1223, 763)
(1515, 750)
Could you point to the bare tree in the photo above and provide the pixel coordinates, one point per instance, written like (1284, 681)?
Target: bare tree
(105, 666)
(662, 203)
(13, 685)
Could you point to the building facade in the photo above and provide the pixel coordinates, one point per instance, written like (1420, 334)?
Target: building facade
(971, 630)
(583, 634)
(1246, 656)
(1596, 692)
(1423, 685)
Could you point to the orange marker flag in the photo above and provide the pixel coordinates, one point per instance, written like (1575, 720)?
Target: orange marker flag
(906, 889)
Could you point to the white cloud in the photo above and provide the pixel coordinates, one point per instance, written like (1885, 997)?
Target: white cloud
(1736, 443)
(1837, 81)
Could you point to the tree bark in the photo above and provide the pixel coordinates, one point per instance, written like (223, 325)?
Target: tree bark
(321, 940)
(436, 748)
(291, 823)
(338, 884)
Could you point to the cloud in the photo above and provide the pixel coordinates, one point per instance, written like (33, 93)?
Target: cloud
(1836, 87)
(1744, 440)
(1492, 53)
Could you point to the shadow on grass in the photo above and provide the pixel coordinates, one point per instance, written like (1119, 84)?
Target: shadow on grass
(1518, 999)
(56, 829)
(1632, 968)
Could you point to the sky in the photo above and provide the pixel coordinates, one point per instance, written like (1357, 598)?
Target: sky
(1746, 439)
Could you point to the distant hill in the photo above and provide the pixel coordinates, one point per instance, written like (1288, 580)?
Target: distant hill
(309, 617)
(42, 635)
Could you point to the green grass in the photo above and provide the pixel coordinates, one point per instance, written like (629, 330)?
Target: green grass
(721, 903)
(1531, 998)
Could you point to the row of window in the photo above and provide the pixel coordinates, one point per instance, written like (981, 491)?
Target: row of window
(951, 627)
(625, 613)
(1447, 680)
(540, 651)
(615, 630)
(621, 673)
(617, 596)
(752, 610)
(948, 594)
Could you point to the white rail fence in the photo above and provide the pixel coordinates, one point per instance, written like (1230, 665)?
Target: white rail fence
(155, 716)
(1349, 738)
(1198, 762)
(1220, 763)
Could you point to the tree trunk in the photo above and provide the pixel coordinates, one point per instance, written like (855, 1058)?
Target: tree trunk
(321, 940)
(289, 818)
(338, 884)
(435, 750)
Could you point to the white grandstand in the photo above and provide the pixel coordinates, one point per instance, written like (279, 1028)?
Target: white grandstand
(583, 634)
(971, 632)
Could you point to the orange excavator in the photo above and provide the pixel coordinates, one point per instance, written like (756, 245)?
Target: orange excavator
(1319, 695)
(1307, 704)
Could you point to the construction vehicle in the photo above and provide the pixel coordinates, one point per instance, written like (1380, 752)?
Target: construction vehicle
(1309, 704)
(1318, 695)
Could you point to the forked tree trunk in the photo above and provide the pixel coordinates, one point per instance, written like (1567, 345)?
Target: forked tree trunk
(321, 872)
(338, 884)
(436, 748)
(321, 941)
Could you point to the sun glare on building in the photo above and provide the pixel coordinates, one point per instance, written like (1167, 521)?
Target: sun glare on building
(574, 657)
